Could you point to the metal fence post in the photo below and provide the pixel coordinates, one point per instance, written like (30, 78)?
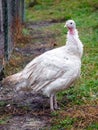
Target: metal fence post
(5, 26)
(23, 10)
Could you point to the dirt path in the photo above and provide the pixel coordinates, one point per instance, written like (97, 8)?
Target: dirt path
(26, 111)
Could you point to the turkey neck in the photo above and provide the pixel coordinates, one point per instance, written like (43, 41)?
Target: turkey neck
(73, 44)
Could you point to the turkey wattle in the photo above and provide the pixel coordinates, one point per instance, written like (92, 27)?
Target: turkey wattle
(54, 70)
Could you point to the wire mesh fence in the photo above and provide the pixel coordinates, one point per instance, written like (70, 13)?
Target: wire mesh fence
(11, 12)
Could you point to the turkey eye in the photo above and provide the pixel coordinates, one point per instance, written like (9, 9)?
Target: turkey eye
(70, 23)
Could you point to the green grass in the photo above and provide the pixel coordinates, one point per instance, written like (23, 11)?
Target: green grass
(4, 119)
(63, 124)
(85, 13)
(93, 126)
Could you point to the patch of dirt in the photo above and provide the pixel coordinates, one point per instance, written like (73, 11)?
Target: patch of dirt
(40, 24)
(25, 110)
(23, 123)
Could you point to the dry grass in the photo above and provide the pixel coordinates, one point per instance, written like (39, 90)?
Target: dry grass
(17, 32)
(82, 116)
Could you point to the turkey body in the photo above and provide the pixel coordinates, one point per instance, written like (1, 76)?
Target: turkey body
(53, 71)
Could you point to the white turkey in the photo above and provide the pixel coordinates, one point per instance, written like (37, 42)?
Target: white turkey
(54, 70)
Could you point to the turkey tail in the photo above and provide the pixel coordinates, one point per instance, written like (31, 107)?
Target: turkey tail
(17, 81)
